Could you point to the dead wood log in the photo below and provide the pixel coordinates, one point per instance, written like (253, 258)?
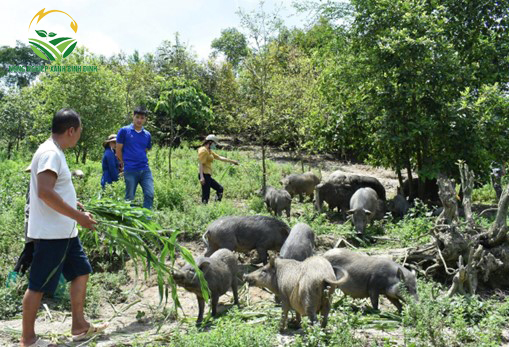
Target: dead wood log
(447, 193)
(467, 186)
(472, 255)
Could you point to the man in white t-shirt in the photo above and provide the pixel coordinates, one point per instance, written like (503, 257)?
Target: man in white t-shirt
(52, 226)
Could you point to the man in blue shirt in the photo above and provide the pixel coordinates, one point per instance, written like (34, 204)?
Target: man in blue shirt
(133, 142)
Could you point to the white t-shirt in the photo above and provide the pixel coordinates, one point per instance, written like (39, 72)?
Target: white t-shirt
(43, 221)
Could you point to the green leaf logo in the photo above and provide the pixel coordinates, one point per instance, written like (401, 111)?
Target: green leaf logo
(56, 48)
(41, 33)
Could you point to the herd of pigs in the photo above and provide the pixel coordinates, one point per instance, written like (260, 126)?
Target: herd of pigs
(300, 279)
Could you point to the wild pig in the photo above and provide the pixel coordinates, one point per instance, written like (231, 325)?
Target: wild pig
(370, 276)
(243, 234)
(335, 195)
(277, 200)
(358, 181)
(300, 243)
(430, 190)
(77, 174)
(305, 286)
(339, 188)
(336, 177)
(220, 272)
(398, 206)
(300, 184)
(363, 208)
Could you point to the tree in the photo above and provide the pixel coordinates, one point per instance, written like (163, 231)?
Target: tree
(404, 66)
(263, 28)
(182, 108)
(96, 96)
(21, 55)
(176, 59)
(232, 43)
(16, 116)
(139, 78)
(293, 99)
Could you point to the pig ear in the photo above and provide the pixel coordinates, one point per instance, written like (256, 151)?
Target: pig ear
(400, 274)
(350, 211)
(368, 212)
(204, 267)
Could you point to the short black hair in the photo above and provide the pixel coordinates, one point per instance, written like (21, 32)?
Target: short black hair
(64, 119)
(141, 110)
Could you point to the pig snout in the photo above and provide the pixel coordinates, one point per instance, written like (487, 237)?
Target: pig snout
(249, 279)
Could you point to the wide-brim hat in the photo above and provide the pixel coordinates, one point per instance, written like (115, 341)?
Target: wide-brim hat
(111, 138)
(212, 138)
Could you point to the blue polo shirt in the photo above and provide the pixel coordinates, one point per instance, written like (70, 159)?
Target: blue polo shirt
(134, 150)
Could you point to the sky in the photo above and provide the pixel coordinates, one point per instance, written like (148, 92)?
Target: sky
(110, 26)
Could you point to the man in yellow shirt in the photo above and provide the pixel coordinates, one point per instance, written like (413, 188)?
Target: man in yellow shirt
(206, 156)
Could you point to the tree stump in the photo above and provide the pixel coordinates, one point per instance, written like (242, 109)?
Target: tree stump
(463, 252)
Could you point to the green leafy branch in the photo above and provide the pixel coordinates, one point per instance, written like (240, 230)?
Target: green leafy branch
(132, 230)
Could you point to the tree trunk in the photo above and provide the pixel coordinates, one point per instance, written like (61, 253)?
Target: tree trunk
(264, 169)
(447, 194)
(9, 150)
(420, 181)
(77, 153)
(410, 181)
(400, 180)
(84, 158)
(467, 186)
(169, 160)
(498, 230)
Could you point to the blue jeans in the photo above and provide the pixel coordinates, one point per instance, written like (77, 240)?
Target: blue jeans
(144, 178)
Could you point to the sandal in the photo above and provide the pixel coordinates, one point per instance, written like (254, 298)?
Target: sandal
(92, 331)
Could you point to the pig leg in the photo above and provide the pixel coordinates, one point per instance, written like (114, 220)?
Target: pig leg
(373, 295)
(284, 315)
(214, 300)
(311, 196)
(288, 212)
(311, 313)
(201, 308)
(235, 292)
(262, 255)
(279, 212)
(396, 303)
(325, 310)
(295, 323)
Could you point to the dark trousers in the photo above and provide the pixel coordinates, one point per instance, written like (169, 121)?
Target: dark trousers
(205, 188)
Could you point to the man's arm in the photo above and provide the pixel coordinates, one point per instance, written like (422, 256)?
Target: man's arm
(118, 153)
(45, 191)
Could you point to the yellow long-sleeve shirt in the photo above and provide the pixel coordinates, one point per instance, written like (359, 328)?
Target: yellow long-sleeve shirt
(206, 157)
